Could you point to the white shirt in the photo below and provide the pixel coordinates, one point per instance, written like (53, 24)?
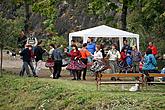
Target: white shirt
(50, 52)
(97, 55)
(114, 54)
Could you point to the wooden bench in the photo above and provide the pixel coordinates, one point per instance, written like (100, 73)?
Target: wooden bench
(141, 79)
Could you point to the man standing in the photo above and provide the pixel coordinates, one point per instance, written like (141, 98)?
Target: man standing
(126, 46)
(113, 56)
(153, 48)
(57, 57)
(136, 55)
(91, 46)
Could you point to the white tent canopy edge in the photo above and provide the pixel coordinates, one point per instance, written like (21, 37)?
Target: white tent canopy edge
(104, 31)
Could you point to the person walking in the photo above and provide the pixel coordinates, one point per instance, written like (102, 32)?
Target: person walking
(84, 58)
(137, 57)
(38, 53)
(27, 61)
(113, 55)
(57, 57)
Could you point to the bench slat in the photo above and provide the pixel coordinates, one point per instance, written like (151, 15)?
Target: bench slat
(122, 75)
(120, 82)
(156, 82)
(156, 75)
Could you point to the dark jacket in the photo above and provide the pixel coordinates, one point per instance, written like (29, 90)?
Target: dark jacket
(26, 55)
(38, 52)
(57, 55)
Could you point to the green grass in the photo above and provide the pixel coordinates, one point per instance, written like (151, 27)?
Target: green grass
(18, 93)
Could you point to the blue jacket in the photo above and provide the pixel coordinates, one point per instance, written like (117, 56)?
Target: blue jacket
(91, 47)
(149, 62)
(57, 55)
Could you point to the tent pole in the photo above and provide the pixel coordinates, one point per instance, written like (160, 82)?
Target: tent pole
(70, 39)
(121, 42)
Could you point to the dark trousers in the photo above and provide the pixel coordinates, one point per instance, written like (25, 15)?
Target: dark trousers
(76, 74)
(146, 72)
(26, 68)
(57, 69)
(85, 61)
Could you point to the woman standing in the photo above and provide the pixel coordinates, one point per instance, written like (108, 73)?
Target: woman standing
(75, 66)
(52, 47)
(84, 58)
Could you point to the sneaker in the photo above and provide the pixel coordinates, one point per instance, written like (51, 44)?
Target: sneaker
(35, 76)
(51, 75)
(74, 79)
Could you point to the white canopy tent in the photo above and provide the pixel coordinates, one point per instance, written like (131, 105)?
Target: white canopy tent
(104, 31)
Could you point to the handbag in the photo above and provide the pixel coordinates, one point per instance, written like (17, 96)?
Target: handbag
(49, 63)
(65, 62)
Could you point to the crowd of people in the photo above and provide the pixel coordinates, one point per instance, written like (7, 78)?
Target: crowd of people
(129, 59)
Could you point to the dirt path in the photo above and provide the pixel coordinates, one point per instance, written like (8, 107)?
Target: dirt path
(14, 65)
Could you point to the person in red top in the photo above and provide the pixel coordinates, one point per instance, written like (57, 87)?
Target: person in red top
(153, 48)
(84, 58)
(122, 63)
(75, 66)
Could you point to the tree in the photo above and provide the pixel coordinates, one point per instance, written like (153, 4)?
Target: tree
(9, 32)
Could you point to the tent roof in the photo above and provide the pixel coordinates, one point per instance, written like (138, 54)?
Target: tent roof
(103, 31)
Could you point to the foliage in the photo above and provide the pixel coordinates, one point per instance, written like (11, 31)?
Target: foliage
(33, 93)
(57, 40)
(103, 9)
(148, 20)
(9, 31)
(47, 8)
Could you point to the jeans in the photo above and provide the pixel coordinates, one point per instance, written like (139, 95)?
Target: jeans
(57, 69)
(26, 68)
(136, 67)
(113, 65)
(38, 66)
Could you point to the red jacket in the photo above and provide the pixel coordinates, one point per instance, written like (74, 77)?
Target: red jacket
(123, 56)
(154, 49)
(74, 55)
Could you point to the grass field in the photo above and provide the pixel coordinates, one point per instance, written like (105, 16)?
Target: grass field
(17, 93)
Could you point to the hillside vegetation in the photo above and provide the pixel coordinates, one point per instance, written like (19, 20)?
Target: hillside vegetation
(17, 93)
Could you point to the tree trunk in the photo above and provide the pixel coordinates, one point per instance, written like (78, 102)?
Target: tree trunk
(1, 68)
(27, 16)
(124, 15)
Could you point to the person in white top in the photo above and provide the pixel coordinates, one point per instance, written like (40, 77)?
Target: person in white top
(97, 54)
(113, 56)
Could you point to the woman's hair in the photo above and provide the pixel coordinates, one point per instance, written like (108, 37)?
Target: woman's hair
(52, 45)
(90, 39)
(98, 47)
(114, 45)
(123, 49)
(148, 51)
(85, 44)
(75, 46)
